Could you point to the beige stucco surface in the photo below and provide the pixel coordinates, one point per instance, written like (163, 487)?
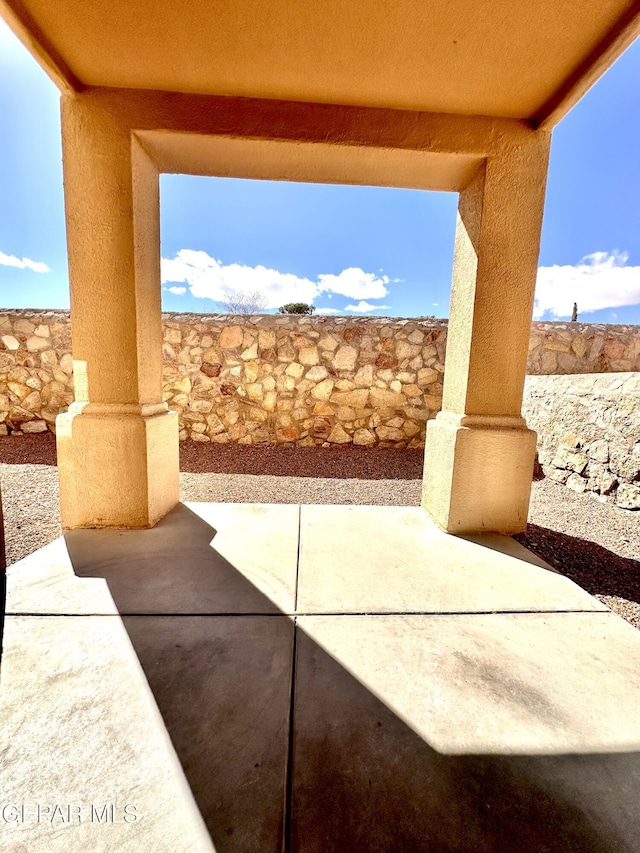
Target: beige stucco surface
(465, 57)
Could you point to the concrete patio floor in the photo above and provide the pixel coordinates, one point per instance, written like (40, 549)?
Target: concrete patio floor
(316, 678)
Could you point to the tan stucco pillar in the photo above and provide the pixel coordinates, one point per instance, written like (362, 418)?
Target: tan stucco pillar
(479, 453)
(118, 444)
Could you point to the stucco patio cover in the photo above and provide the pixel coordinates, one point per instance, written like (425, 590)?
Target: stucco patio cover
(529, 60)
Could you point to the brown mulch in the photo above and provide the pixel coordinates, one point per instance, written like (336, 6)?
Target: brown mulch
(338, 462)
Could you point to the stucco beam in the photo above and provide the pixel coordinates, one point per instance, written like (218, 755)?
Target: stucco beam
(625, 31)
(213, 135)
(25, 28)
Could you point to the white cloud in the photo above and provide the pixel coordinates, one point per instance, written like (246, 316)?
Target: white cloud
(177, 290)
(208, 278)
(434, 304)
(22, 263)
(327, 311)
(355, 283)
(364, 307)
(597, 281)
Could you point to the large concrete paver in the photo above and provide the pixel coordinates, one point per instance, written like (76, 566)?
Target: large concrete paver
(467, 733)
(222, 684)
(370, 559)
(79, 728)
(201, 558)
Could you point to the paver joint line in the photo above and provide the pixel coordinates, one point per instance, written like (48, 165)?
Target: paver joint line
(288, 796)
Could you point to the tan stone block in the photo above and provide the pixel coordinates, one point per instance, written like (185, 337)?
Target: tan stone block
(411, 428)
(32, 402)
(396, 422)
(294, 369)
(427, 375)
(231, 338)
(416, 337)
(357, 399)
(25, 327)
(628, 496)
(269, 401)
(385, 376)
(345, 358)
(182, 383)
(66, 363)
(19, 389)
(35, 426)
(411, 390)
(364, 376)
(316, 374)
(406, 350)
(396, 386)
(339, 435)
(328, 342)
(266, 338)
(364, 437)
(309, 356)
(345, 413)
(579, 345)
(254, 391)
(548, 362)
(251, 371)
(323, 390)
(202, 406)
(35, 344)
(211, 356)
(250, 354)
(323, 408)
(381, 398)
(433, 401)
(10, 342)
(286, 352)
(556, 346)
(268, 383)
(385, 433)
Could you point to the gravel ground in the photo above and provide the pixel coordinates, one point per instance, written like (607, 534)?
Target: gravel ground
(595, 544)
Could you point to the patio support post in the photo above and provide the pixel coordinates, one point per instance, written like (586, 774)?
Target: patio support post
(118, 444)
(479, 453)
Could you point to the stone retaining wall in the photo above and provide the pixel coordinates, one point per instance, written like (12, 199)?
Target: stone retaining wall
(287, 379)
(589, 432)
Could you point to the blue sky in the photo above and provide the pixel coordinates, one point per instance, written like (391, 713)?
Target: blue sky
(349, 250)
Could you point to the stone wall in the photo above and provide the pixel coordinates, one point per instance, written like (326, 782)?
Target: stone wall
(589, 432)
(287, 379)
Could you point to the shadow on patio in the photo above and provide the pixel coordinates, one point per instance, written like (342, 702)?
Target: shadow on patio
(331, 678)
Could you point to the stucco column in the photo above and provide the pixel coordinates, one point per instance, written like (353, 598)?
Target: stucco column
(479, 453)
(118, 444)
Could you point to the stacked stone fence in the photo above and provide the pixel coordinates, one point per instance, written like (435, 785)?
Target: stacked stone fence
(309, 380)
(589, 432)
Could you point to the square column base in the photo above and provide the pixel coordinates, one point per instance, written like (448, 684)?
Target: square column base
(117, 466)
(478, 473)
